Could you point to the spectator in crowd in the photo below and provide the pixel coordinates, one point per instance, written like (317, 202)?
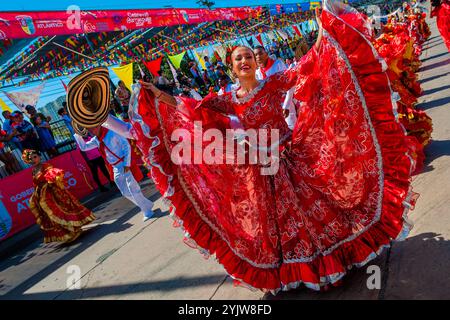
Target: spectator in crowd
(7, 123)
(65, 116)
(225, 85)
(115, 108)
(123, 94)
(267, 66)
(184, 81)
(210, 69)
(95, 162)
(7, 126)
(206, 79)
(196, 74)
(290, 63)
(26, 134)
(33, 113)
(163, 83)
(46, 139)
(207, 62)
(273, 48)
(11, 163)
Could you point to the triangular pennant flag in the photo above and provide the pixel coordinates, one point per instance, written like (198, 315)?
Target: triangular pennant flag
(174, 74)
(216, 55)
(141, 71)
(259, 38)
(176, 60)
(24, 98)
(200, 59)
(297, 31)
(154, 66)
(125, 73)
(250, 42)
(64, 85)
(4, 106)
(222, 52)
(282, 34)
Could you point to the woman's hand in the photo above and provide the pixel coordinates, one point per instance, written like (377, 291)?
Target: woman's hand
(319, 21)
(159, 95)
(319, 36)
(147, 85)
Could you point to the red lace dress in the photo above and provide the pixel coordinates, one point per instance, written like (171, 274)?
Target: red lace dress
(342, 189)
(59, 214)
(442, 14)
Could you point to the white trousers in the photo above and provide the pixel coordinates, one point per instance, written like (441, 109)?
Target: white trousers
(131, 190)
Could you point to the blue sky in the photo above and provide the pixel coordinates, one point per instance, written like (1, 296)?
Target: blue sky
(33, 5)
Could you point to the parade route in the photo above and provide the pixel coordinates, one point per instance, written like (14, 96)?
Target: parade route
(121, 257)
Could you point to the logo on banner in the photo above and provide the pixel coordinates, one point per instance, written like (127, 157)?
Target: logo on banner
(26, 22)
(117, 19)
(89, 27)
(185, 16)
(279, 8)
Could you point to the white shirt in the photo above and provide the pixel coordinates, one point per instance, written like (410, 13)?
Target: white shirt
(278, 66)
(230, 87)
(116, 142)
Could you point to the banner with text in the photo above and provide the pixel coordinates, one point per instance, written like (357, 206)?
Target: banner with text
(73, 21)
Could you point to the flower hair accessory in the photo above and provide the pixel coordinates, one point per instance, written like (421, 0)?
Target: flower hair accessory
(27, 155)
(228, 55)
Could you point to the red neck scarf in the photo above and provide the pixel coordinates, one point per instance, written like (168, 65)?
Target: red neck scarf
(269, 65)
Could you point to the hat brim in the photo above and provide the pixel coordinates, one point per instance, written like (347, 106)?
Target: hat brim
(82, 131)
(91, 111)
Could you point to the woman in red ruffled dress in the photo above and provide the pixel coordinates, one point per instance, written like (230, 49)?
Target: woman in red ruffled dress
(441, 11)
(342, 189)
(59, 214)
(396, 46)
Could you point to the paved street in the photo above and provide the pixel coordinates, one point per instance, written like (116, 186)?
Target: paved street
(121, 257)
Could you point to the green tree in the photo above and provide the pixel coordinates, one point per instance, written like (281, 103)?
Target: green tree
(205, 3)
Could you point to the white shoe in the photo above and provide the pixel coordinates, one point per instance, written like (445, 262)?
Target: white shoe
(148, 216)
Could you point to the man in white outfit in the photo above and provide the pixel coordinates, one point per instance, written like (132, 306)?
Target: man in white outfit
(268, 67)
(117, 151)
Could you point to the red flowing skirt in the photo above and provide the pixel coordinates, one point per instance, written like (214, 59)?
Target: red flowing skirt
(59, 214)
(443, 22)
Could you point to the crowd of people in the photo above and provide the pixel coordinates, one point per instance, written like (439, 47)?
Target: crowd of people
(26, 130)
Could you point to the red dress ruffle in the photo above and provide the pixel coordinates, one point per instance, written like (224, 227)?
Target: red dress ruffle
(442, 14)
(342, 190)
(397, 46)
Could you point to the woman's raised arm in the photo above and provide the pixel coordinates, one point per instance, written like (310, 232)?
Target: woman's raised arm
(159, 94)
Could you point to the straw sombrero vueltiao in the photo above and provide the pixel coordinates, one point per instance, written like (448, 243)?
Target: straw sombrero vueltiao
(82, 131)
(88, 97)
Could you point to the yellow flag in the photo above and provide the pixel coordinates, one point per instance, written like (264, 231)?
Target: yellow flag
(176, 60)
(202, 62)
(125, 73)
(314, 4)
(4, 106)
